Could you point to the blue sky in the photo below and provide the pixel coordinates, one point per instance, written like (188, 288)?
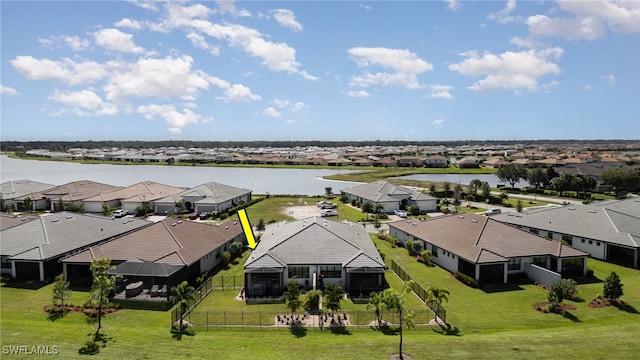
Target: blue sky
(323, 70)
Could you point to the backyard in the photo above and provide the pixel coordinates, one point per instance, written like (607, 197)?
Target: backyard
(490, 323)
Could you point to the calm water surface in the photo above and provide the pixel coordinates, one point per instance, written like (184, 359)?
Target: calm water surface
(258, 180)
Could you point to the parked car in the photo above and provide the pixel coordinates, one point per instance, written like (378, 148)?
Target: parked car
(204, 215)
(193, 216)
(328, 205)
(320, 203)
(328, 212)
(120, 213)
(400, 213)
(492, 212)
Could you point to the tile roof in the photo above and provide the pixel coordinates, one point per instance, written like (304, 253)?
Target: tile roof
(614, 222)
(314, 241)
(480, 239)
(170, 241)
(19, 188)
(79, 190)
(382, 191)
(142, 191)
(211, 193)
(7, 221)
(59, 233)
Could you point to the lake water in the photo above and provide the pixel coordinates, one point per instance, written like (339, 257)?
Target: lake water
(463, 179)
(258, 180)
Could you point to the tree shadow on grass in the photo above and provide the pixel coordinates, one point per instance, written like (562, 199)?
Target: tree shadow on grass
(447, 329)
(97, 341)
(298, 331)
(178, 334)
(56, 315)
(339, 330)
(387, 330)
(570, 316)
(625, 307)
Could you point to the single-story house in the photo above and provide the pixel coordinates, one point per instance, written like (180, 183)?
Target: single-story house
(314, 252)
(31, 250)
(165, 253)
(436, 161)
(608, 231)
(204, 198)
(15, 192)
(74, 193)
(391, 197)
(489, 251)
(130, 197)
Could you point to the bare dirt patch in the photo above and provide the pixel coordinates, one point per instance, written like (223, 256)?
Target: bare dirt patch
(302, 211)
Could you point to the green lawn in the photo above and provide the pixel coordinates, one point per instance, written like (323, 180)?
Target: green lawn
(499, 323)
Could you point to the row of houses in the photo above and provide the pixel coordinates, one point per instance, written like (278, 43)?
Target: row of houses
(93, 197)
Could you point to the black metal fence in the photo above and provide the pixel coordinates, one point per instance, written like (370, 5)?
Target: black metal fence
(200, 293)
(228, 282)
(420, 291)
(241, 320)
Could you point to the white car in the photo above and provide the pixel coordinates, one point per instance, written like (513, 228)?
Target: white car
(492, 212)
(120, 213)
(400, 213)
(328, 212)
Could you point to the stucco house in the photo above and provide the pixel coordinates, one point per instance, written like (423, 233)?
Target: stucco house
(74, 193)
(15, 192)
(314, 252)
(609, 231)
(31, 250)
(489, 251)
(204, 198)
(130, 197)
(165, 253)
(391, 197)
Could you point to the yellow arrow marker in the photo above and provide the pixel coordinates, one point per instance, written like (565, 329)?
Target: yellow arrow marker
(246, 227)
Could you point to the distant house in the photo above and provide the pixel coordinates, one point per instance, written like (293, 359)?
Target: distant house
(608, 231)
(314, 252)
(469, 162)
(31, 250)
(17, 191)
(204, 198)
(164, 253)
(436, 161)
(495, 162)
(74, 193)
(391, 197)
(130, 197)
(489, 251)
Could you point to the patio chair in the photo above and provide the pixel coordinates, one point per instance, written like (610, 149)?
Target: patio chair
(163, 290)
(154, 290)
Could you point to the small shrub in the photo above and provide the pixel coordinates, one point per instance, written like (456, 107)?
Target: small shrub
(465, 279)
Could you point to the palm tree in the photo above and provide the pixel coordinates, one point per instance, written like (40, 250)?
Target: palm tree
(28, 204)
(446, 203)
(328, 191)
(182, 294)
(437, 294)
(504, 197)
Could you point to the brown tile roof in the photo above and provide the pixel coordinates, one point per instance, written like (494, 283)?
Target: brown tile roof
(148, 190)
(171, 241)
(79, 190)
(481, 239)
(7, 221)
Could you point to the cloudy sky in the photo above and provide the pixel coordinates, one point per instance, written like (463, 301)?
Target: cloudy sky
(322, 70)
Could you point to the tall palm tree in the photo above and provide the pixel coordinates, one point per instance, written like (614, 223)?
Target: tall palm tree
(182, 293)
(437, 294)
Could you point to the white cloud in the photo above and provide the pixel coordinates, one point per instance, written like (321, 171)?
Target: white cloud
(174, 118)
(227, 6)
(239, 93)
(509, 70)
(5, 90)
(76, 43)
(440, 91)
(358, 94)
(504, 16)
(298, 106)
(129, 24)
(151, 77)
(83, 102)
(453, 5)
(405, 64)
(280, 103)
(199, 41)
(65, 70)
(588, 20)
(271, 112)
(609, 78)
(588, 87)
(438, 123)
(287, 19)
(114, 39)
(145, 4)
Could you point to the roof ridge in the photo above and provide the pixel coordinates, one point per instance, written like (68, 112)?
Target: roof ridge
(180, 246)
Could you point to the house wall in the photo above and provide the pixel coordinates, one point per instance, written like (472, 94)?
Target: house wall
(596, 248)
(96, 206)
(425, 205)
(445, 259)
(541, 275)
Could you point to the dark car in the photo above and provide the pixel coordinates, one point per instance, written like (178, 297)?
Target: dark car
(193, 216)
(204, 215)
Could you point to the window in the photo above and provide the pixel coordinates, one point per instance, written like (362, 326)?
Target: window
(535, 231)
(301, 272)
(540, 261)
(598, 243)
(434, 251)
(568, 239)
(331, 271)
(218, 253)
(590, 242)
(514, 264)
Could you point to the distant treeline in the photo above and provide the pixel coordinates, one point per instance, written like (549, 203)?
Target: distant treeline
(135, 144)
